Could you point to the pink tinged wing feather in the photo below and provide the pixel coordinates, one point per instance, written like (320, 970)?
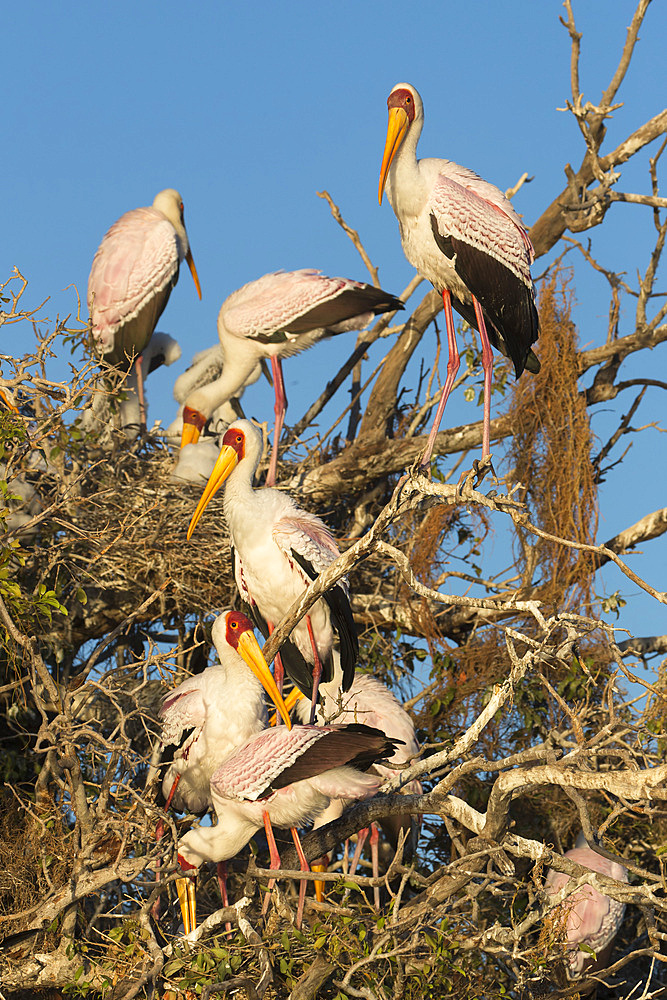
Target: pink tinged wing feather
(182, 709)
(137, 259)
(249, 771)
(307, 535)
(483, 224)
(593, 918)
(278, 301)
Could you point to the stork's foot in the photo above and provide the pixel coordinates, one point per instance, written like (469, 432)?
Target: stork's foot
(473, 478)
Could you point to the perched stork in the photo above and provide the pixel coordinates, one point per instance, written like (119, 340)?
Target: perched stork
(223, 707)
(285, 778)
(275, 317)
(277, 550)
(202, 704)
(462, 234)
(131, 278)
(370, 702)
(593, 919)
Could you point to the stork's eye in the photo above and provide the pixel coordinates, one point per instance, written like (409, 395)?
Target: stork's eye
(239, 439)
(408, 100)
(234, 624)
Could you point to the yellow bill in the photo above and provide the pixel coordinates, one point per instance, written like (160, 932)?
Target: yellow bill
(396, 129)
(226, 462)
(193, 271)
(248, 648)
(185, 888)
(290, 701)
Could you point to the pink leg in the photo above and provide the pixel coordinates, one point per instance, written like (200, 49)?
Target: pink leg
(303, 885)
(279, 409)
(222, 884)
(275, 857)
(317, 670)
(140, 393)
(361, 840)
(452, 368)
(487, 365)
(375, 836)
(278, 673)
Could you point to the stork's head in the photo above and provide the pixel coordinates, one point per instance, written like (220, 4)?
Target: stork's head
(170, 203)
(405, 107)
(232, 629)
(242, 440)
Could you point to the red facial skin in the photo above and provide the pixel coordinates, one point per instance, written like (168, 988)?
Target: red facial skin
(236, 625)
(193, 417)
(402, 98)
(235, 439)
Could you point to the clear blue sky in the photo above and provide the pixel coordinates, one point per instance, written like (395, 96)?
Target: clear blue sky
(249, 109)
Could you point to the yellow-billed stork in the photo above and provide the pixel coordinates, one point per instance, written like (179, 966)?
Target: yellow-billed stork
(275, 317)
(219, 709)
(593, 919)
(462, 234)
(284, 778)
(131, 278)
(278, 549)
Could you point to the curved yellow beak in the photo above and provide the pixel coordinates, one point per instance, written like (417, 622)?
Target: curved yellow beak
(225, 464)
(185, 887)
(397, 126)
(193, 271)
(249, 649)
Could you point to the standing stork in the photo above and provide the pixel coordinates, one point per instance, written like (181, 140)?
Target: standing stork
(593, 919)
(131, 278)
(462, 234)
(282, 777)
(278, 549)
(275, 317)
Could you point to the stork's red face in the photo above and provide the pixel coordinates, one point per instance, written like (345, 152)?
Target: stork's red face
(241, 637)
(235, 438)
(231, 453)
(401, 105)
(193, 423)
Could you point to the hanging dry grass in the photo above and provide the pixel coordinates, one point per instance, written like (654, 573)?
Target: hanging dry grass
(551, 451)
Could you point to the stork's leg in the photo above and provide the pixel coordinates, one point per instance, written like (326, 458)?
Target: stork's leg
(222, 885)
(487, 366)
(317, 671)
(140, 393)
(279, 410)
(375, 836)
(275, 857)
(278, 673)
(361, 840)
(452, 368)
(303, 884)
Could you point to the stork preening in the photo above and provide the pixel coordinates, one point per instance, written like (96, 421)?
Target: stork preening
(593, 919)
(275, 317)
(370, 702)
(462, 234)
(220, 709)
(278, 549)
(230, 761)
(131, 278)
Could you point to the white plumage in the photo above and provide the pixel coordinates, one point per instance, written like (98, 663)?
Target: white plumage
(275, 317)
(278, 549)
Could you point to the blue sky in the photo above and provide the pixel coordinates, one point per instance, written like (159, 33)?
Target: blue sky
(249, 109)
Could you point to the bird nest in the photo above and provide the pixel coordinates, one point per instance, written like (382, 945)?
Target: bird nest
(111, 541)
